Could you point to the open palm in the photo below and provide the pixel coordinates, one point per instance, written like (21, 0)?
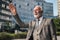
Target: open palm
(12, 8)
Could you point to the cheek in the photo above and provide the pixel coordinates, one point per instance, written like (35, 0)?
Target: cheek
(38, 14)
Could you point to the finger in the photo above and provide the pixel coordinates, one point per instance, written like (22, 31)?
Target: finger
(11, 6)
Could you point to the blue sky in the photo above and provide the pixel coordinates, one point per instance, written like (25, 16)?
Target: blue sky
(54, 6)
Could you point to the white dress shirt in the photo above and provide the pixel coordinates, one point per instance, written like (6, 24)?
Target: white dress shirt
(38, 21)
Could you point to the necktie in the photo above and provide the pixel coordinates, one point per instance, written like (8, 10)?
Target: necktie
(37, 23)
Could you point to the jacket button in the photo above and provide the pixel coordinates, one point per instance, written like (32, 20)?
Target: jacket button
(37, 39)
(37, 34)
(37, 30)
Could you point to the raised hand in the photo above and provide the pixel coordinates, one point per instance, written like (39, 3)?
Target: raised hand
(12, 9)
(15, 15)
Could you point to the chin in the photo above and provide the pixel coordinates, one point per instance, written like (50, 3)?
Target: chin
(36, 16)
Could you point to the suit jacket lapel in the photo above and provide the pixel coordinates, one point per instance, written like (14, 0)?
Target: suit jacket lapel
(42, 24)
(33, 25)
(32, 28)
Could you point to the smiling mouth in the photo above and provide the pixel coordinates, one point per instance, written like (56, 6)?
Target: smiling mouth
(36, 14)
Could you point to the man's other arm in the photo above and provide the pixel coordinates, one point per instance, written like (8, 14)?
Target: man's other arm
(53, 30)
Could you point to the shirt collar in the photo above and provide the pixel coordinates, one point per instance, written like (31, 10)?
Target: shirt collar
(40, 18)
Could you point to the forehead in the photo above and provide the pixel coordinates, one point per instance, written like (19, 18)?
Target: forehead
(38, 8)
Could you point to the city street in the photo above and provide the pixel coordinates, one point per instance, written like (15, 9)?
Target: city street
(58, 38)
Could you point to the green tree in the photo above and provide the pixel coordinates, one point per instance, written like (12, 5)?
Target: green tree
(57, 24)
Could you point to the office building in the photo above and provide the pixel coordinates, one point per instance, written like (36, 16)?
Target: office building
(58, 3)
(5, 15)
(48, 10)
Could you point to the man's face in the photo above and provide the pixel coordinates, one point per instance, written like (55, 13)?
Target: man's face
(37, 12)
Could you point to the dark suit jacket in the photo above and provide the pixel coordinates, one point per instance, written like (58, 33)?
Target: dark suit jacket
(47, 30)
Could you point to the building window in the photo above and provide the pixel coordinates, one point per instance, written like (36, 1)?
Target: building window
(15, 4)
(19, 6)
(27, 4)
(38, 3)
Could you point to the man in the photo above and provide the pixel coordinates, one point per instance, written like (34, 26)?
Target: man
(39, 29)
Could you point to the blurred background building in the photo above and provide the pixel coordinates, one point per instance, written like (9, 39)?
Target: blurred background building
(5, 15)
(6, 19)
(58, 3)
(48, 10)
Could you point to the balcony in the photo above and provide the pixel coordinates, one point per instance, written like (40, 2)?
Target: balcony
(4, 14)
(4, 9)
(5, 19)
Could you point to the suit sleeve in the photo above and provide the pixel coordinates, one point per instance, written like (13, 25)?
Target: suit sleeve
(29, 30)
(53, 30)
(20, 23)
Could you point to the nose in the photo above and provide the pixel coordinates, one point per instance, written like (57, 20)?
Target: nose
(37, 11)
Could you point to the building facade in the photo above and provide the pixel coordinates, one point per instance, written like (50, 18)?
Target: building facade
(48, 10)
(5, 15)
(58, 2)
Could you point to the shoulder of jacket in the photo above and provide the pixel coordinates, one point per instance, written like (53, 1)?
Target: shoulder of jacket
(32, 23)
(48, 20)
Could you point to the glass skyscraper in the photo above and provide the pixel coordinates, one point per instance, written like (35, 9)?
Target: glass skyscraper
(48, 10)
